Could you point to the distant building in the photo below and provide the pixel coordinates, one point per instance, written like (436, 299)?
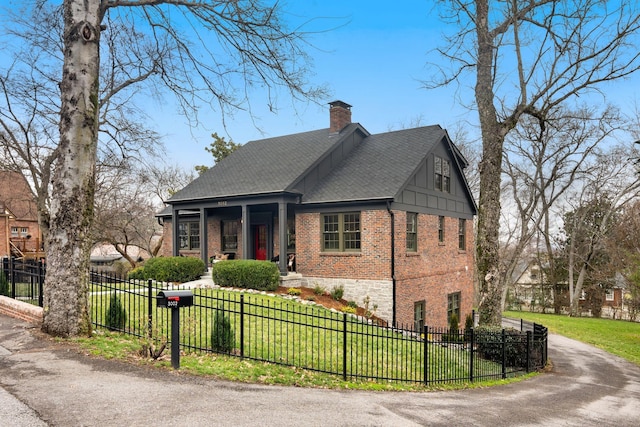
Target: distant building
(20, 234)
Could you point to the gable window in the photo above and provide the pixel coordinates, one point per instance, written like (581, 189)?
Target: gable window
(418, 315)
(462, 240)
(412, 232)
(341, 232)
(453, 305)
(440, 229)
(229, 236)
(442, 169)
(189, 235)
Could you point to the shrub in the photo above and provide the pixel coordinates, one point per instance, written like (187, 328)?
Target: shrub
(170, 269)
(337, 293)
(246, 273)
(352, 304)
(137, 274)
(349, 309)
(4, 284)
(318, 290)
(454, 333)
(222, 336)
(116, 316)
(489, 344)
(294, 291)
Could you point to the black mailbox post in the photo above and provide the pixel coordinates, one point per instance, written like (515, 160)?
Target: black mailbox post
(175, 300)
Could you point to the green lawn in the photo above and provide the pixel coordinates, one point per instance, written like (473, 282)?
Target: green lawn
(618, 337)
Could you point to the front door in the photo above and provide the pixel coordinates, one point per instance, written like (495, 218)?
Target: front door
(260, 241)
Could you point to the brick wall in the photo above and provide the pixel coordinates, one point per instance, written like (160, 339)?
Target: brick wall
(434, 271)
(20, 310)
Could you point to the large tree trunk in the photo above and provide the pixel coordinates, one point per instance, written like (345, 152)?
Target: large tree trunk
(489, 276)
(66, 285)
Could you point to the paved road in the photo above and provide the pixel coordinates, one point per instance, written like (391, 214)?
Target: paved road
(56, 386)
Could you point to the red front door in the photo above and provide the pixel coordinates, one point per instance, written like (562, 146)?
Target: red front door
(260, 241)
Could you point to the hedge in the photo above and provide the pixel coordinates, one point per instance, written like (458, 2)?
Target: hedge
(250, 274)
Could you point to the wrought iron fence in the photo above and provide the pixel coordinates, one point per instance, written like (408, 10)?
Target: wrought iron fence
(24, 279)
(260, 327)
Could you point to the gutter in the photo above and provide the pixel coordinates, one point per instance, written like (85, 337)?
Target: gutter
(393, 262)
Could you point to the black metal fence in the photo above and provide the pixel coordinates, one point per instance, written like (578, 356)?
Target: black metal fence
(23, 279)
(259, 327)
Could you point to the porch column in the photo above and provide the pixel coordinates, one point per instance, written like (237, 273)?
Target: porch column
(175, 231)
(245, 232)
(282, 225)
(204, 237)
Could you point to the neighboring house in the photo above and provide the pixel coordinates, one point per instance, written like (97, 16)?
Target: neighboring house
(20, 234)
(386, 216)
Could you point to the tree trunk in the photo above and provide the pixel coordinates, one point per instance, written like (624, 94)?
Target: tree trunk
(67, 281)
(490, 173)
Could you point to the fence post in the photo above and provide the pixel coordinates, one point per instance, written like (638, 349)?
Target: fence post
(528, 351)
(425, 358)
(471, 345)
(504, 361)
(344, 346)
(149, 309)
(241, 325)
(12, 275)
(40, 282)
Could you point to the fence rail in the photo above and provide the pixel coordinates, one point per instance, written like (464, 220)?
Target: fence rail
(259, 327)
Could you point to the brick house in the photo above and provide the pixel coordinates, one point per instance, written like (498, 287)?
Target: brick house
(386, 216)
(20, 234)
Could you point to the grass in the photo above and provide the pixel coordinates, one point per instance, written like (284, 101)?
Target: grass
(125, 348)
(617, 337)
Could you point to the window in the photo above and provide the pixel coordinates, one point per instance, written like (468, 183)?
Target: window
(189, 235)
(341, 232)
(229, 236)
(442, 169)
(418, 316)
(609, 295)
(412, 232)
(462, 240)
(291, 234)
(453, 305)
(440, 229)
(14, 231)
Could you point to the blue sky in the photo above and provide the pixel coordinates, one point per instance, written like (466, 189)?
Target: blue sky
(373, 59)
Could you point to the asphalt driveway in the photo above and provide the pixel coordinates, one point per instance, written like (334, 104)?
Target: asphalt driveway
(45, 383)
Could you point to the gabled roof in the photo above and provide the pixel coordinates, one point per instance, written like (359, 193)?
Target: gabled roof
(378, 168)
(16, 196)
(324, 167)
(264, 166)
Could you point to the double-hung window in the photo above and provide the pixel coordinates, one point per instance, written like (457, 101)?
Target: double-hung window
(453, 305)
(229, 236)
(341, 232)
(441, 229)
(462, 233)
(189, 235)
(442, 169)
(412, 232)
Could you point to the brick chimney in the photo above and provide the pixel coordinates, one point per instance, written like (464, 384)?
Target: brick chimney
(340, 116)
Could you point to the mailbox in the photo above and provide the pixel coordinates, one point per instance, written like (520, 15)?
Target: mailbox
(175, 299)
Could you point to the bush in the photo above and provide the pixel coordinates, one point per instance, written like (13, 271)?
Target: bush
(4, 284)
(170, 269)
(222, 336)
(116, 317)
(318, 290)
(246, 273)
(489, 344)
(337, 293)
(294, 291)
(454, 333)
(348, 309)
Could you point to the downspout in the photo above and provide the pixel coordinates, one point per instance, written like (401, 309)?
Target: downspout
(393, 263)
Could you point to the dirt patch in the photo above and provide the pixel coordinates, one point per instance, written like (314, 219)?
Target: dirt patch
(326, 300)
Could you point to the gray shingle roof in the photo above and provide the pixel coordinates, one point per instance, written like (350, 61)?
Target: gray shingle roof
(264, 166)
(377, 168)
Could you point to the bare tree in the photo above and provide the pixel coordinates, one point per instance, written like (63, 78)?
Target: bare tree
(611, 186)
(217, 53)
(543, 160)
(529, 58)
